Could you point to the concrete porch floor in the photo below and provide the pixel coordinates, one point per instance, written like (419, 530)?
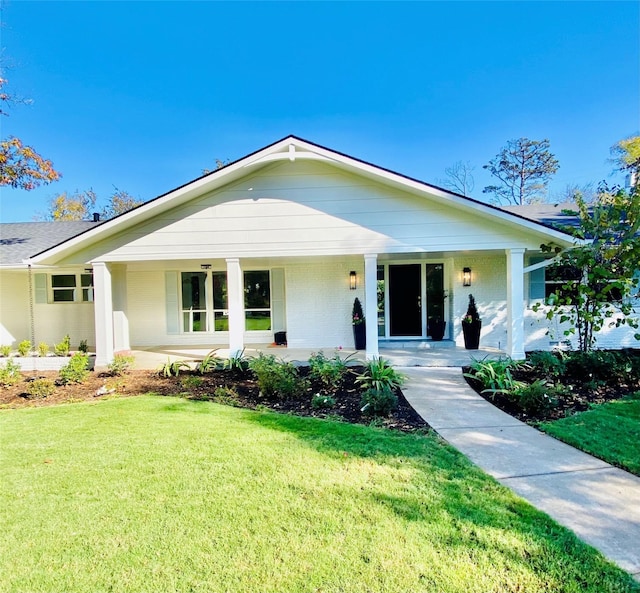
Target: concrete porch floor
(405, 354)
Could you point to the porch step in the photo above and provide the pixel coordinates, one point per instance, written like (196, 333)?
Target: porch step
(415, 344)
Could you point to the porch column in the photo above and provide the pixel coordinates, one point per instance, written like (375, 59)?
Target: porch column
(371, 304)
(120, 319)
(103, 312)
(236, 306)
(515, 303)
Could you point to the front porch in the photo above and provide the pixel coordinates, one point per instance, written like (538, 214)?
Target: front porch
(416, 354)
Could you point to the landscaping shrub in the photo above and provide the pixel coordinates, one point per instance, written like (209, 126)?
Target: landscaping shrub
(5, 350)
(191, 382)
(237, 362)
(24, 348)
(172, 369)
(120, 364)
(75, 371)
(379, 402)
(63, 348)
(83, 346)
(227, 396)
(209, 363)
(378, 374)
(495, 375)
(321, 402)
(9, 373)
(276, 378)
(602, 367)
(40, 388)
(43, 349)
(549, 364)
(536, 398)
(329, 372)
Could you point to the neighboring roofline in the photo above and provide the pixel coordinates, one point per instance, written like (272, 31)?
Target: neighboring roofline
(408, 183)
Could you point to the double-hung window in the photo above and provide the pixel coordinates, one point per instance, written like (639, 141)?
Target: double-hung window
(72, 288)
(257, 300)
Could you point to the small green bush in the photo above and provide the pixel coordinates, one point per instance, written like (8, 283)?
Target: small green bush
(40, 388)
(9, 373)
(276, 378)
(495, 375)
(83, 346)
(536, 398)
(209, 363)
(75, 371)
(120, 364)
(5, 350)
(63, 348)
(378, 402)
(329, 372)
(24, 348)
(226, 396)
(599, 367)
(379, 374)
(237, 362)
(191, 382)
(172, 369)
(321, 402)
(43, 349)
(549, 364)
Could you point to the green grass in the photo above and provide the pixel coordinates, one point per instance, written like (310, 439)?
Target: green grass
(609, 431)
(153, 494)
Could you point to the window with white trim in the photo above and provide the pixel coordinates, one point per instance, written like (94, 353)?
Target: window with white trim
(257, 300)
(204, 303)
(72, 288)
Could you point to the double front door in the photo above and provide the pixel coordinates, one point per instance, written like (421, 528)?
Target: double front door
(414, 294)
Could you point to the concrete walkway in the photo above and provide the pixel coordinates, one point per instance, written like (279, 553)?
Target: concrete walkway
(598, 502)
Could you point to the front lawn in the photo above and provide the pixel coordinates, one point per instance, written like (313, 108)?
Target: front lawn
(609, 431)
(167, 494)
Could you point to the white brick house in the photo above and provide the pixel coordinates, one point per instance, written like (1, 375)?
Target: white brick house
(269, 244)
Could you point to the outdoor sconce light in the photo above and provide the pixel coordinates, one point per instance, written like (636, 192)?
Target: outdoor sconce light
(205, 266)
(353, 280)
(466, 276)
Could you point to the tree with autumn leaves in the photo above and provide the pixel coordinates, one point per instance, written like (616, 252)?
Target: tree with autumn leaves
(20, 165)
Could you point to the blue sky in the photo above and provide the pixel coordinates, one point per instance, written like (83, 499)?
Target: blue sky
(145, 95)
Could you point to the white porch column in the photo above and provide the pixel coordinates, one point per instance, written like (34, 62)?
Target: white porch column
(103, 311)
(371, 304)
(515, 303)
(120, 319)
(236, 306)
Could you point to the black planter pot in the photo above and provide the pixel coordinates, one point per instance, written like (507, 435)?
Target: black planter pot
(471, 333)
(436, 329)
(360, 335)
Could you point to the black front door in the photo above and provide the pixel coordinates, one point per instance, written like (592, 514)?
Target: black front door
(405, 307)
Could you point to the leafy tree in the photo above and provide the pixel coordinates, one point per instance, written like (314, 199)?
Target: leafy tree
(459, 178)
(119, 203)
(76, 206)
(20, 165)
(627, 156)
(523, 168)
(605, 260)
(587, 191)
(220, 164)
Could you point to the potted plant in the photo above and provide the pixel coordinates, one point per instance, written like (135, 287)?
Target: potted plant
(436, 325)
(359, 326)
(471, 325)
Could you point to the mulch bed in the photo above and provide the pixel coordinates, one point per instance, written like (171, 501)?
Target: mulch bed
(192, 385)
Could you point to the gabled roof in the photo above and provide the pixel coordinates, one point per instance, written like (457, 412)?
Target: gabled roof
(552, 215)
(290, 148)
(21, 240)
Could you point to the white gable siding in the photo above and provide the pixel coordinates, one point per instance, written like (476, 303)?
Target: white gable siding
(302, 208)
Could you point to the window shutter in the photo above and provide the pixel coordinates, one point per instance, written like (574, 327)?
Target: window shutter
(171, 302)
(278, 314)
(40, 284)
(536, 282)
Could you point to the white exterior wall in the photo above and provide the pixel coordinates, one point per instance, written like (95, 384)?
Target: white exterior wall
(319, 303)
(306, 209)
(52, 320)
(14, 308)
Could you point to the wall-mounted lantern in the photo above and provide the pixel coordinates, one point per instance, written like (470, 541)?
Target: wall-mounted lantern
(205, 266)
(466, 276)
(353, 280)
